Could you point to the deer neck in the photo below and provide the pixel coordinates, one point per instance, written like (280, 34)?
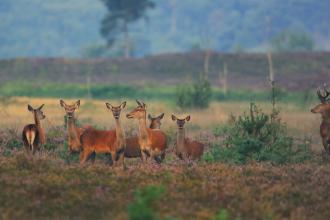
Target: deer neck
(120, 135)
(41, 132)
(144, 135)
(180, 139)
(72, 128)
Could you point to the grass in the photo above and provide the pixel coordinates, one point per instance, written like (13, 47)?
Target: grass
(147, 91)
(52, 186)
(42, 188)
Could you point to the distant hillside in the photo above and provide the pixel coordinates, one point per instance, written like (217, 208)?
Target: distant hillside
(293, 71)
(70, 28)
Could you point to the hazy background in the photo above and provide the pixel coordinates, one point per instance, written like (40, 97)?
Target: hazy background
(71, 28)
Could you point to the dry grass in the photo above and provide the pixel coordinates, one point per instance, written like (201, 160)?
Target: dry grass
(300, 121)
(47, 187)
(42, 188)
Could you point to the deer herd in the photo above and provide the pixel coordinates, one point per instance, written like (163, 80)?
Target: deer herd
(151, 142)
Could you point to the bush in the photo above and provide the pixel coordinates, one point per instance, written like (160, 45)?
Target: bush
(141, 207)
(259, 137)
(197, 95)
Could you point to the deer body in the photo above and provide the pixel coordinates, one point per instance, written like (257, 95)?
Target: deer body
(33, 134)
(324, 110)
(132, 149)
(186, 148)
(74, 132)
(152, 142)
(100, 142)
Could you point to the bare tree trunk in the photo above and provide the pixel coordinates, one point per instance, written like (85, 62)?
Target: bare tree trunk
(173, 17)
(127, 49)
(272, 81)
(225, 79)
(88, 80)
(206, 63)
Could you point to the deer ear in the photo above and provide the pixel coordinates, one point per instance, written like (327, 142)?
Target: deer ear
(123, 104)
(30, 108)
(109, 106)
(173, 117)
(139, 103)
(144, 105)
(78, 103)
(161, 116)
(149, 117)
(62, 103)
(41, 107)
(188, 118)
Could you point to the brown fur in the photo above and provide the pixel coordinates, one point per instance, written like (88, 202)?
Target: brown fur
(324, 110)
(33, 134)
(152, 142)
(74, 132)
(132, 149)
(100, 142)
(186, 148)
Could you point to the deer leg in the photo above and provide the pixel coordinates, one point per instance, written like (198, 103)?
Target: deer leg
(84, 156)
(144, 156)
(91, 157)
(325, 143)
(113, 158)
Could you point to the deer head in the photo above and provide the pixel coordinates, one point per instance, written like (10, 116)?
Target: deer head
(155, 121)
(324, 107)
(180, 122)
(70, 109)
(139, 112)
(37, 112)
(116, 110)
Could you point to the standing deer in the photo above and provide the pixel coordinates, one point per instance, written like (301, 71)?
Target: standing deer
(111, 141)
(132, 149)
(74, 132)
(153, 142)
(186, 148)
(324, 110)
(33, 134)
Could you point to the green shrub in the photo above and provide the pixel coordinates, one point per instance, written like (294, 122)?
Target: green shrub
(259, 137)
(197, 95)
(223, 215)
(142, 206)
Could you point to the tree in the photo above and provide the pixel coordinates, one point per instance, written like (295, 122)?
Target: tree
(120, 14)
(294, 41)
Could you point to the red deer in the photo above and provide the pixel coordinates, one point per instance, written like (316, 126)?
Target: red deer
(33, 134)
(99, 141)
(152, 142)
(324, 110)
(74, 132)
(132, 149)
(186, 148)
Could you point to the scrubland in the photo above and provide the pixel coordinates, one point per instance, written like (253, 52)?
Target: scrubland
(53, 185)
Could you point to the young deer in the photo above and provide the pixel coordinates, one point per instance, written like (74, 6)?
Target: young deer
(132, 149)
(111, 141)
(33, 134)
(185, 148)
(152, 142)
(74, 132)
(324, 110)
(155, 122)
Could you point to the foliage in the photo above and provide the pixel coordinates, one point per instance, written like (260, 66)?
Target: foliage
(223, 215)
(41, 35)
(198, 95)
(144, 199)
(259, 137)
(253, 191)
(120, 14)
(293, 41)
